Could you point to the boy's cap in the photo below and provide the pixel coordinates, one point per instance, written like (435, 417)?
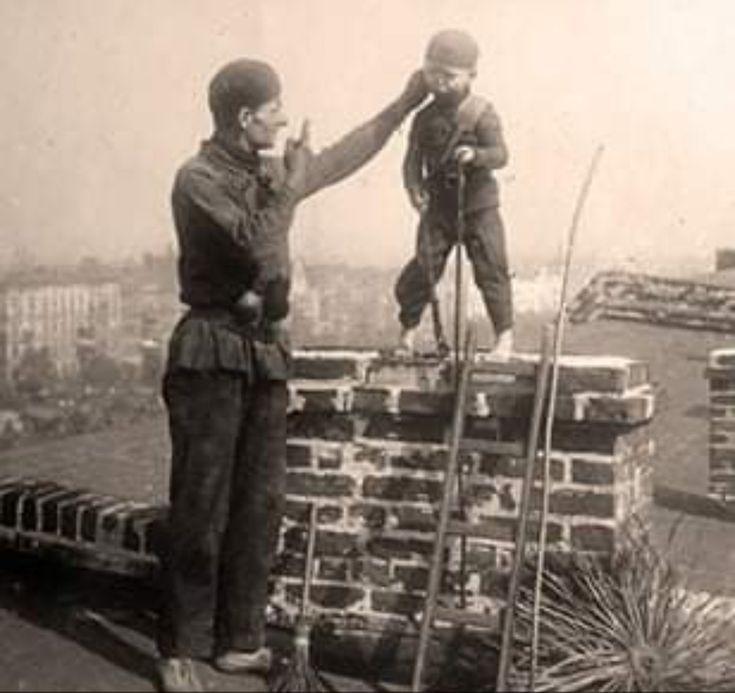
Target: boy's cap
(453, 48)
(245, 82)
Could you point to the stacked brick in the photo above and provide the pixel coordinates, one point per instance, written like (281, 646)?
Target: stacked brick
(656, 300)
(721, 379)
(84, 528)
(368, 440)
(368, 444)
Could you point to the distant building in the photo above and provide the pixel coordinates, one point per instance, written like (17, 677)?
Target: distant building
(724, 259)
(49, 309)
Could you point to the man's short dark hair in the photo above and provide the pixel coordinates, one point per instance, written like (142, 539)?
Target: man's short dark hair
(241, 83)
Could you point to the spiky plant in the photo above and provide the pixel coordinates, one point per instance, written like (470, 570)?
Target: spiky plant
(624, 625)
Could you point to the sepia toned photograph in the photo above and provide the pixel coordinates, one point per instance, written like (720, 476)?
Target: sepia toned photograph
(367, 345)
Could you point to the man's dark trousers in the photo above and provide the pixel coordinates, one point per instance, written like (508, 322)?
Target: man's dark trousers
(228, 442)
(484, 239)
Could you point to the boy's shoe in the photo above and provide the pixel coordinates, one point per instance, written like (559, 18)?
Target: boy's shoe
(408, 340)
(238, 662)
(503, 345)
(178, 675)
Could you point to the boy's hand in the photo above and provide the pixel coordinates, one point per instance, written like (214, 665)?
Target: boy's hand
(415, 91)
(464, 155)
(296, 157)
(419, 199)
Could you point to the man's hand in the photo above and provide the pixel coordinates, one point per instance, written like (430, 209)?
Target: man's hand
(464, 155)
(419, 199)
(415, 91)
(250, 307)
(296, 157)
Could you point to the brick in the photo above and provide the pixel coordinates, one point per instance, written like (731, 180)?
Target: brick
(425, 373)
(507, 494)
(426, 402)
(422, 519)
(110, 527)
(372, 516)
(402, 548)
(28, 511)
(481, 556)
(494, 583)
(722, 455)
(504, 529)
(289, 564)
(337, 570)
(565, 502)
(142, 527)
(298, 455)
(593, 538)
(515, 468)
(326, 366)
(718, 384)
(722, 358)
(723, 476)
(411, 578)
(323, 400)
(631, 408)
(70, 525)
(336, 596)
(328, 458)
(373, 454)
(330, 543)
(602, 374)
(588, 472)
(49, 510)
(722, 400)
(719, 465)
(727, 426)
(88, 517)
(401, 488)
(12, 499)
(374, 400)
(407, 428)
(396, 602)
(428, 458)
(338, 427)
(373, 570)
(304, 484)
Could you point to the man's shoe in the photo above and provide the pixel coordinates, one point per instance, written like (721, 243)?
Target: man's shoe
(238, 662)
(178, 675)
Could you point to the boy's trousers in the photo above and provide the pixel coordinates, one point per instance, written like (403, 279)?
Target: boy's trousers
(227, 494)
(484, 239)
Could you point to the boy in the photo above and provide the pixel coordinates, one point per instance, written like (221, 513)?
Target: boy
(456, 130)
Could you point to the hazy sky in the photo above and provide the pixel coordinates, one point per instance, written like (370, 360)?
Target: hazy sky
(103, 99)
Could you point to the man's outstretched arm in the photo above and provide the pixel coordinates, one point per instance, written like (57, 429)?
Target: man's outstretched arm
(355, 149)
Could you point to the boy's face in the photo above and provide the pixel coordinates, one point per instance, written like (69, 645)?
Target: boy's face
(443, 80)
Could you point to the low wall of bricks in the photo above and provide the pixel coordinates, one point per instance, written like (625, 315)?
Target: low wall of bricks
(368, 440)
(721, 382)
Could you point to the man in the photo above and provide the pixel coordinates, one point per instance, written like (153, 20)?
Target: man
(225, 382)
